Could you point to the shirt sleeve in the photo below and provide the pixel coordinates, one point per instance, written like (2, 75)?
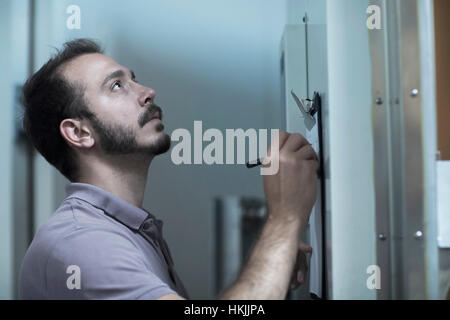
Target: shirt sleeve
(100, 264)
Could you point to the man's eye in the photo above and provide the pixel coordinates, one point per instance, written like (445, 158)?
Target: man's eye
(116, 84)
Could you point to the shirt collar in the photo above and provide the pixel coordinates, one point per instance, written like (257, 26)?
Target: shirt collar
(123, 211)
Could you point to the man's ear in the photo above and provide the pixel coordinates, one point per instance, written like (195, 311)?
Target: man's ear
(77, 133)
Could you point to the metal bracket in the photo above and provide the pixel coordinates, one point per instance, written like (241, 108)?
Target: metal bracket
(308, 108)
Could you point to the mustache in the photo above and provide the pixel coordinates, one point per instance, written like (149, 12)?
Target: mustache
(149, 114)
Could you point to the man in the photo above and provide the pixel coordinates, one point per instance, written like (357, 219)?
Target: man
(90, 118)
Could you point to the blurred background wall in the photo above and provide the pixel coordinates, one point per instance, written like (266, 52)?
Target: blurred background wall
(15, 231)
(6, 94)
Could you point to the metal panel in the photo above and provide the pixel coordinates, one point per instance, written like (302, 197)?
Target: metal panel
(429, 135)
(399, 169)
(404, 151)
(294, 77)
(413, 214)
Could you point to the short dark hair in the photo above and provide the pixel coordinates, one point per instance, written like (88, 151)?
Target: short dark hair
(48, 99)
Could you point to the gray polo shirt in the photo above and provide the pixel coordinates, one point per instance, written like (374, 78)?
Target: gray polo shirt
(98, 246)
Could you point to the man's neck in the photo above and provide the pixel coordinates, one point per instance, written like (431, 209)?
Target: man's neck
(124, 176)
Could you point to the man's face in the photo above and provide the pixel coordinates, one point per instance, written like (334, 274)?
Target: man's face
(126, 119)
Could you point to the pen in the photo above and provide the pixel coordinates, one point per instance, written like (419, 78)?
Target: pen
(258, 162)
(252, 164)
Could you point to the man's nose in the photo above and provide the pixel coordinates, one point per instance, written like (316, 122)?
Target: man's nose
(147, 96)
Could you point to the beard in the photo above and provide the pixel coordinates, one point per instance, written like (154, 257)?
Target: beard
(121, 140)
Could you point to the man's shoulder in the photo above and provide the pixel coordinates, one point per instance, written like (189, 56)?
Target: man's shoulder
(76, 238)
(73, 235)
(72, 220)
(75, 229)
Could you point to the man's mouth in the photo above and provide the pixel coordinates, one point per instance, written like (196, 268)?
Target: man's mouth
(154, 112)
(156, 115)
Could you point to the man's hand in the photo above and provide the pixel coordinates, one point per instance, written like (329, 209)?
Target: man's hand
(291, 193)
(301, 266)
(290, 196)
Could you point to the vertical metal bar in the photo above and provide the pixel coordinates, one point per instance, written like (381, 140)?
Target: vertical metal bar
(413, 243)
(429, 107)
(323, 202)
(381, 136)
(395, 147)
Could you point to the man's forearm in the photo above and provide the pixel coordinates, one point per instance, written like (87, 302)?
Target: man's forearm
(268, 271)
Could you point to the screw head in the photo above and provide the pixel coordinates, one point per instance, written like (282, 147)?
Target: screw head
(379, 101)
(382, 236)
(414, 93)
(418, 235)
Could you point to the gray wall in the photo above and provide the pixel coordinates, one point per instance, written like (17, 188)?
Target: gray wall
(6, 94)
(14, 31)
